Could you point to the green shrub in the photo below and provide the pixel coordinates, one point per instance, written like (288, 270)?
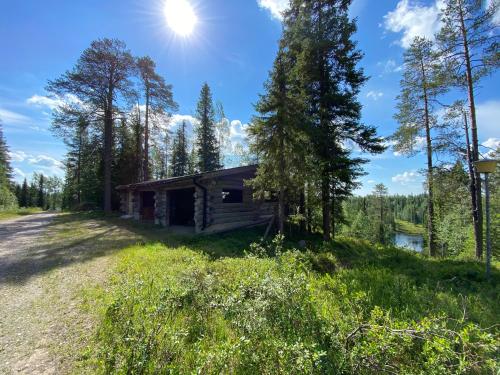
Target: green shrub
(346, 309)
(8, 200)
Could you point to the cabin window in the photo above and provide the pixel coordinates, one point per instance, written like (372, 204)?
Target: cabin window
(232, 196)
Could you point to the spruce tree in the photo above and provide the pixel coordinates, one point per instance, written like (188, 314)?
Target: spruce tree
(180, 157)
(276, 137)
(191, 169)
(7, 197)
(5, 167)
(380, 194)
(40, 201)
(319, 34)
(207, 149)
(468, 42)
(24, 200)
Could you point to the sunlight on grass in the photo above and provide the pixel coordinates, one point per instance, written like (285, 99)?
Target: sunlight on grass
(347, 307)
(12, 214)
(409, 228)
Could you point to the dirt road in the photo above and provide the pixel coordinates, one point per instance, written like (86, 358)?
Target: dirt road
(45, 261)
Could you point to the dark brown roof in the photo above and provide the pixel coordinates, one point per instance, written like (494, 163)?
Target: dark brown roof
(199, 176)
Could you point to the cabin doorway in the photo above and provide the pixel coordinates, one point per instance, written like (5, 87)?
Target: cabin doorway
(181, 207)
(148, 205)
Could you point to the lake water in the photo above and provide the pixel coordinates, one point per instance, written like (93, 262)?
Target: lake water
(410, 241)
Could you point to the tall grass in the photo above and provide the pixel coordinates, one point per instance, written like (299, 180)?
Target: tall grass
(345, 308)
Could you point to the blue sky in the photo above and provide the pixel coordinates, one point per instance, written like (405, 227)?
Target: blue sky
(232, 47)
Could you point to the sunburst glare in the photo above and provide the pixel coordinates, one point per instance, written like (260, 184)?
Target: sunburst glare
(180, 16)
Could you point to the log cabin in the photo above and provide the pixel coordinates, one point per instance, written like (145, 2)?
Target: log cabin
(209, 202)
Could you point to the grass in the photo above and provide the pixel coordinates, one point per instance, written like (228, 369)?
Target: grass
(409, 228)
(211, 305)
(12, 214)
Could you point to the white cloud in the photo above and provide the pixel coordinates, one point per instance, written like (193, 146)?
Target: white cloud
(488, 118)
(375, 95)
(42, 163)
(390, 66)
(238, 130)
(18, 156)
(9, 117)
(178, 119)
(47, 163)
(406, 177)
(44, 101)
(19, 174)
(348, 144)
(414, 19)
(52, 102)
(418, 146)
(491, 145)
(275, 7)
(496, 17)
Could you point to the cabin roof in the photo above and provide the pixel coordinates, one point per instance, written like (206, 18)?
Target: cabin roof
(200, 176)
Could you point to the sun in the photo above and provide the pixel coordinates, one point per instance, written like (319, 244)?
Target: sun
(180, 16)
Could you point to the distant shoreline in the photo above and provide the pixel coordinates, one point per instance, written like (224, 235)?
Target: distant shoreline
(406, 227)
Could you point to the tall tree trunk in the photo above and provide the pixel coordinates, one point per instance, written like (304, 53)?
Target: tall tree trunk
(333, 218)
(430, 177)
(138, 145)
(472, 180)
(166, 155)
(108, 150)
(79, 166)
(308, 212)
(325, 204)
(478, 209)
(146, 140)
(302, 209)
(381, 222)
(281, 166)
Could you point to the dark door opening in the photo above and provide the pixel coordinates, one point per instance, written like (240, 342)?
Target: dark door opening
(182, 207)
(148, 205)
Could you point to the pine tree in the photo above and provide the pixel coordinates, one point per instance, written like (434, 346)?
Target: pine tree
(180, 157)
(158, 97)
(419, 89)
(207, 149)
(138, 132)
(468, 43)
(100, 75)
(276, 138)
(223, 132)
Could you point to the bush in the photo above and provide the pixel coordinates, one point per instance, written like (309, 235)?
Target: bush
(347, 309)
(8, 200)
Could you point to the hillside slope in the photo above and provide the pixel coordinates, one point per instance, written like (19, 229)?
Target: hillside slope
(202, 305)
